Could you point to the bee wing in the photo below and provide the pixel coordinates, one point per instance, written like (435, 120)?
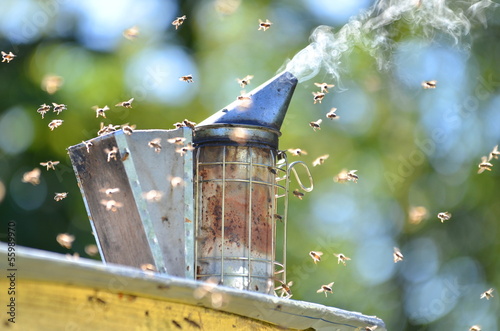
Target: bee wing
(3, 53)
(331, 284)
(319, 253)
(320, 290)
(318, 84)
(56, 162)
(95, 107)
(131, 99)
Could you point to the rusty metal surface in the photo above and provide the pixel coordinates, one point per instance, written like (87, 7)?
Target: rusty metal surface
(236, 224)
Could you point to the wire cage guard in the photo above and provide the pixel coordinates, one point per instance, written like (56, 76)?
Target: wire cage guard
(238, 213)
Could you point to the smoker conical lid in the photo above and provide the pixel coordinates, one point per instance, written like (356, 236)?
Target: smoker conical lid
(266, 106)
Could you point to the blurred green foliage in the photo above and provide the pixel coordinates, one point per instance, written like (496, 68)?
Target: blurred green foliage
(411, 147)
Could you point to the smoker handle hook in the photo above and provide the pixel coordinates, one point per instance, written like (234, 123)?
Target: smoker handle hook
(291, 168)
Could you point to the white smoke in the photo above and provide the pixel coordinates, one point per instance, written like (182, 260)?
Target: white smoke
(374, 30)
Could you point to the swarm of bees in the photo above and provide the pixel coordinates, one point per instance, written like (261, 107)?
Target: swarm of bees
(264, 25)
(7, 57)
(178, 21)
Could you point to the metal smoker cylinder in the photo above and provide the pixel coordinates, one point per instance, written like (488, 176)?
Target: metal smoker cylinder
(236, 188)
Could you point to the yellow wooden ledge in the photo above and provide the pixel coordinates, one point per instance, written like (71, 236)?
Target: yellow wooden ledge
(54, 293)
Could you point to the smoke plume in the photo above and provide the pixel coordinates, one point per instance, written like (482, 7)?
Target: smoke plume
(374, 30)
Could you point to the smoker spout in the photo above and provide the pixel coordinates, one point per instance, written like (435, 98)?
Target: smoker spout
(263, 109)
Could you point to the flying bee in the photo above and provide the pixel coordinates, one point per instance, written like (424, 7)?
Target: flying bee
(485, 164)
(126, 104)
(352, 177)
(32, 177)
(155, 143)
(176, 181)
(148, 267)
(494, 154)
(475, 328)
(55, 124)
(65, 240)
(331, 114)
(111, 205)
(100, 111)
(417, 214)
(8, 57)
(264, 25)
(128, 129)
(178, 21)
(371, 328)
(91, 250)
(107, 129)
(244, 81)
(316, 256)
(285, 289)
(341, 258)
(60, 196)
(326, 289)
(176, 140)
(398, 256)
(110, 191)
(43, 109)
(297, 151)
(187, 78)
(278, 217)
(87, 144)
(487, 294)
(429, 84)
(444, 216)
(153, 195)
(298, 194)
(316, 125)
(318, 96)
(272, 170)
(324, 87)
(111, 153)
(52, 83)
(183, 150)
(131, 33)
(59, 107)
(320, 160)
(49, 164)
(189, 124)
(341, 177)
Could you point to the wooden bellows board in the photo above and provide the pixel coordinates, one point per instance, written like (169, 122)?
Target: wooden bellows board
(139, 197)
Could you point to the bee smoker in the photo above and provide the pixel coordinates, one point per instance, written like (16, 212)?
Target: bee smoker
(241, 190)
